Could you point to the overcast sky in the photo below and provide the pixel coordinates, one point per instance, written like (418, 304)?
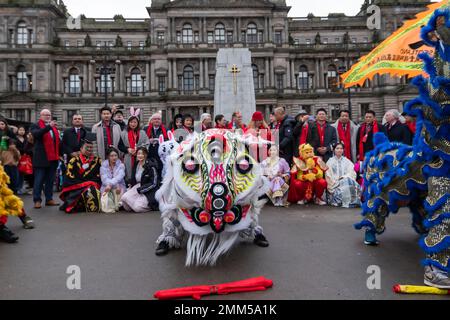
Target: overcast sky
(136, 8)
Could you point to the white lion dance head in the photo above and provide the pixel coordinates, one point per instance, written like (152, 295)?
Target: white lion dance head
(211, 192)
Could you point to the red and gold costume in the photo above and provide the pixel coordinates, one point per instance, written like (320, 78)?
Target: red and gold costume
(307, 177)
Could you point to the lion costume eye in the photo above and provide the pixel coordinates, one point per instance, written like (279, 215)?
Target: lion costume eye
(243, 165)
(190, 165)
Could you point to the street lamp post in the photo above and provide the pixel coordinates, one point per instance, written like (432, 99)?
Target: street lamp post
(348, 90)
(104, 72)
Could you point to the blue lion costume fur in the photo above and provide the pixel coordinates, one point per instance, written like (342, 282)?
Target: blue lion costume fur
(397, 175)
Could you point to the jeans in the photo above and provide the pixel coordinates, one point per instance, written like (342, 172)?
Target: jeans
(13, 174)
(44, 179)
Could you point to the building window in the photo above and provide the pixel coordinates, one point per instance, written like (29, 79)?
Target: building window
(366, 40)
(280, 81)
(303, 79)
(160, 37)
(104, 83)
(162, 84)
(278, 37)
(337, 40)
(325, 41)
(69, 116)
(210, 37)
(20, 115)
(110, 44)
(67, 43)
(22, 79)
(220, 33)
(252, 33)
(136, 82)
(354, 40)
(308, 41)
(255, 76)
(74, 82)
(178, 37)
(187, 33)
(332, 78)
(230, 37)
(129, 45)
(79, 43)
(196, 37)
(22, 33)
(188, 79)
(141, 45)
(212, 83)
(364, 107)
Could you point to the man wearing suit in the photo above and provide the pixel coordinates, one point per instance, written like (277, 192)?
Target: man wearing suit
(397, 131)
(73, 137)
(322, 136)
(364, 139)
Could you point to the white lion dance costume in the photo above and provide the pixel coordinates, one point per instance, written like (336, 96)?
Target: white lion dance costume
(210, 196)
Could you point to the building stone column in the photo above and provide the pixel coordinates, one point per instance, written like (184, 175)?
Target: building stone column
(91, 78)
(288, 74)
(293, 79)
(153, 85)
(118, 81)
(175, 74)
(202, 74)
(322, 74)
(239, 31)
(267, 75)
(147, 76)
(170, 85)
(272, 73)
(58, 78)
(207, 72)
(34, 77)
(85, 78)
(270, 29)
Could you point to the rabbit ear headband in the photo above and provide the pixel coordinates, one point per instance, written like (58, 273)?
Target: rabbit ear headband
(135, 112)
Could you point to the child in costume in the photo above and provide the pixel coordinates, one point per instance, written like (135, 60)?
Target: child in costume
(307, 178)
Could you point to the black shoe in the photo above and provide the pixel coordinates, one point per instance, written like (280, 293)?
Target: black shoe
(162, 249)
(261, 241)
(7, 235)
(28, 223)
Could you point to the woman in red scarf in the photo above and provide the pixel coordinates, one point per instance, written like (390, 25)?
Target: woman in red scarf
(130, 139)
(365, 135)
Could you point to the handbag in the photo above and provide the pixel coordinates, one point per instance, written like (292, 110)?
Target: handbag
(109, 202)
(25, 165)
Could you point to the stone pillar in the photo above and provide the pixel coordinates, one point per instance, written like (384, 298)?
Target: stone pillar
(267, 75)
(85, 78)
(207, 73)
(270, 29)
(175, 74)
(91, 78)
(288, 74)
(153, 84)
(294, 82)
(170, 85)
(118, 81)
(202, 74)
(147, 76)
(58, 78)
(34, 77)
(322, 74)
(239, 31)
(235, 28)
(272, 73)
(266, 29)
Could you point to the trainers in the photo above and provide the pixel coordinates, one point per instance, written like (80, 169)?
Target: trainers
(320, 202)
(7, 235)
(436, 278)
(370, 238)
(28, 223)
(261, 241)
(162, 249)
(301, 202)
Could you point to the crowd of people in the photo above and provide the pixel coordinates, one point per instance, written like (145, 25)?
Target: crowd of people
(117, 165)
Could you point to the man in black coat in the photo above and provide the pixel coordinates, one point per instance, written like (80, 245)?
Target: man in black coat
(73, 137)
(397, 131)
(364, 139)
(322, 136)
(285, 126)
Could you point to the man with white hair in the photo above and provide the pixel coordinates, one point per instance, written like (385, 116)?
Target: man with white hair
(154, 129)
(397, 131)
(206, 121)
(45, 158)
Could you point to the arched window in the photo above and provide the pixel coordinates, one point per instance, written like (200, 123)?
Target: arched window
(22, 79)
(22, 33)
(136, 82)
(74, 82)
(187, 36)
(188, 79)
(220, 33)
(252, 33)
(255, 76)
(303, 79)
(332, 77)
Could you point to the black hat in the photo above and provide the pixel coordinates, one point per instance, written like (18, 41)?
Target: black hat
(90, 138)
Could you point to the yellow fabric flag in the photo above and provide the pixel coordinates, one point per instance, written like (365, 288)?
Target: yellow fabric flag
(398, 54)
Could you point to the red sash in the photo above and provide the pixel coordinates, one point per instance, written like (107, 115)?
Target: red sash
(150, 132)
(108, 134)
(363, 135)
(51, 145)
(345, 138)
(321, 131)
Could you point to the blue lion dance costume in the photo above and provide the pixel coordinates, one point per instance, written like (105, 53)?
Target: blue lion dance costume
(397, 175)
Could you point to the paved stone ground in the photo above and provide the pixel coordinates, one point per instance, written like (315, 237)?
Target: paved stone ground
(314, 253)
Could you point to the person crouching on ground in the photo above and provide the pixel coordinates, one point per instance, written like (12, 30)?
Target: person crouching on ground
(145, 181)
(112, 173)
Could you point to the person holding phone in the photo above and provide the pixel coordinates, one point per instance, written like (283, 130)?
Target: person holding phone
(45, 157)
